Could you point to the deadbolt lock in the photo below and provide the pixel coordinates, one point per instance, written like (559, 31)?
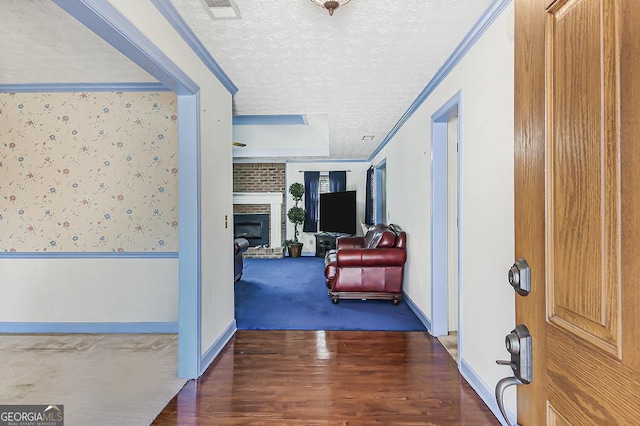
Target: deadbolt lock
(520, 277)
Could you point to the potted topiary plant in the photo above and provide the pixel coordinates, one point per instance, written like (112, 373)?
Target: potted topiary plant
(296, 216)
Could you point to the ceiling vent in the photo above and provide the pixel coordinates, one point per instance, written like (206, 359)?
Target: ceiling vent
(222, 9)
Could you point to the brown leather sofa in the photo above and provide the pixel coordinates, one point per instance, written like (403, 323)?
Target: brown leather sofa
(369, 267)
(240, 245)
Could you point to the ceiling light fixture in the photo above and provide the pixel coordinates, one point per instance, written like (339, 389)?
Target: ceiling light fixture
(367, 138)
(330, 5)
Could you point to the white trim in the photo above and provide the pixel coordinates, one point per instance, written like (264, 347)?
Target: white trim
(274, 199)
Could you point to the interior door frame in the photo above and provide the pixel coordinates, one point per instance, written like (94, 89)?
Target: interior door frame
(439, 216)
(380, 213)
(104, 20)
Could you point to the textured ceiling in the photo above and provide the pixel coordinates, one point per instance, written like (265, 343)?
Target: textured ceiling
(361, 67)
(41, 43)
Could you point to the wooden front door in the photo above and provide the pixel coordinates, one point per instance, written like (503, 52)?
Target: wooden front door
(577, 183)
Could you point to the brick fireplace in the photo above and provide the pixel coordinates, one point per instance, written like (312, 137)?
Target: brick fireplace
(254, 179)
(271, 199)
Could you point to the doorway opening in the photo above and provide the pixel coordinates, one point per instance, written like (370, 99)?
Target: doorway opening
(381, 192)
(445, 225)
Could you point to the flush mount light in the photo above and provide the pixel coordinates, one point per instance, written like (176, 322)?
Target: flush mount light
(367, 138)
(330, 5)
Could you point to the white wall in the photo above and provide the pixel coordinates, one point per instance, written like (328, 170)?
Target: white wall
(216, 183)
(356, 179)
(89, 290)
(485, 78)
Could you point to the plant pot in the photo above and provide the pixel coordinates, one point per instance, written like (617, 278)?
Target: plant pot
(295, 250)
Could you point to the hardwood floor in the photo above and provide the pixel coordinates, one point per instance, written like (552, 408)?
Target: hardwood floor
(329, 378)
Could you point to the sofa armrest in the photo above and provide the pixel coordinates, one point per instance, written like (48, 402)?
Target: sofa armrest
(330, 264)
(240, 245)
(349, 242)
(391, 256)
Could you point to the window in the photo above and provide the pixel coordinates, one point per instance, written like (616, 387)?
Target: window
(323, 184)
(323, 187)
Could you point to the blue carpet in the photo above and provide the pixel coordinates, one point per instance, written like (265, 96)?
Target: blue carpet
(290, 294)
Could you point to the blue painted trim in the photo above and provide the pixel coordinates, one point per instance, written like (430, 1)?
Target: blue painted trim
(105, 20)
(421, 315)
(485, 21)
(267, 120)
(217, 347)
(382, 165)
(90, 255)
(445, 112)
(439, 211)
(189, 235)
(82, 87)
(438, 231)
(484, 392)
(461, 308)
(364, 160)
(89, 327)
(171, 14)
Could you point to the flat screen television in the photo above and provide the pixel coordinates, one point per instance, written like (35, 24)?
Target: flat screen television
(338, 212)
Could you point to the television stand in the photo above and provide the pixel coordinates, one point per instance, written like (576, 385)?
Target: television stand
(325, 241)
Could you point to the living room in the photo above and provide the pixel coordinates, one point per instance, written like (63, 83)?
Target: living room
(478, 81)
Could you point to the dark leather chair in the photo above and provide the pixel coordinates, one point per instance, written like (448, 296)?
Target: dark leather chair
(369, 267)
(240, 245)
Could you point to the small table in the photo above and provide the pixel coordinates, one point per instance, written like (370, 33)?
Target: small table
(324, 243)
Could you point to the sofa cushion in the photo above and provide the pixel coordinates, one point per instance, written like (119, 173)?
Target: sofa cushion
(380, 237)
(371, 234)
(387, 239)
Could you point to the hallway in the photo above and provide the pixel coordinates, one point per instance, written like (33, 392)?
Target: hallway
(329, 377)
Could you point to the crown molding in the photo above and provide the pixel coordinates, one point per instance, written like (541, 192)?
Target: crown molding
(485, 21)
(172, 15)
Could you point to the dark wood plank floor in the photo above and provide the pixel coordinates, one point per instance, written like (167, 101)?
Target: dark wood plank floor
(329, 378)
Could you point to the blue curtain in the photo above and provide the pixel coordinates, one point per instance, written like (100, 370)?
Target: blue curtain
(368, 204)
(311, 195)
(337, 181)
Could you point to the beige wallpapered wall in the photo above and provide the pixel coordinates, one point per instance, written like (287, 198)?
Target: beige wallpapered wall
(88, 172)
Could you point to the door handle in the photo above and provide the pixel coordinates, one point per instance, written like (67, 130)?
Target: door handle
(520, 277)
(503, 384)
(518, 344)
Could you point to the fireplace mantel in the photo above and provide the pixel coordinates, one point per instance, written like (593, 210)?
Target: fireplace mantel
(274, 199)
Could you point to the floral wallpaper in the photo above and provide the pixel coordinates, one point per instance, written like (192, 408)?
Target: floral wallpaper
(88, 172)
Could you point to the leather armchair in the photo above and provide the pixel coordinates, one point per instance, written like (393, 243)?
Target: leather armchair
(240, 245)
(369, 267)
